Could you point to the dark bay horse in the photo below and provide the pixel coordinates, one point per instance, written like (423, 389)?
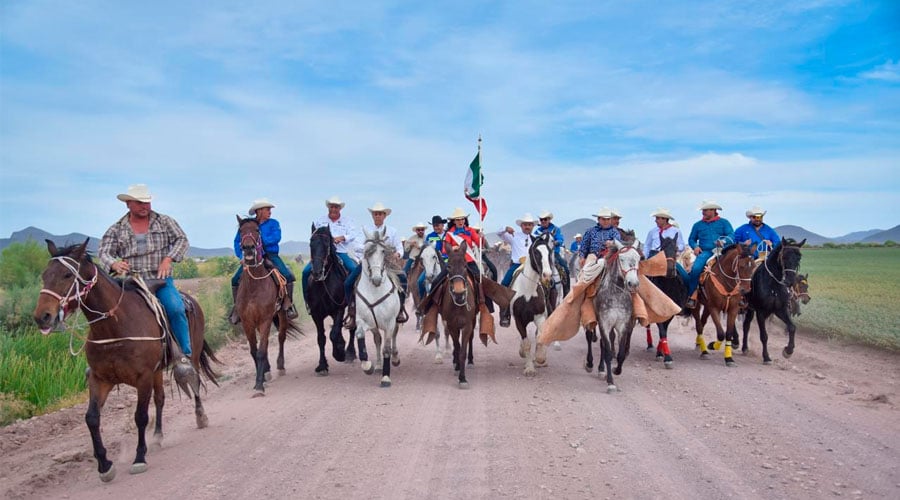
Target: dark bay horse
(771, 293)
(125, 344)
(326, 297)
(257, 302)
(459, 309)
(676, 289)
(727, 281)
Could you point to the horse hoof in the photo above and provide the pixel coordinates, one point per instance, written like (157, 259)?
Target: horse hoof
(529, 372)
(767, 362)
(395, 361)
(557, 346)
(463, 385)
(649, 347)
(669, 364)
(704, 355)
(281, 372)
(367, 367)
(268, 376)
(385, 381)
(202, 422)
(138, 468)
(787, 354)
(322, 373)
(659, 356)
(258, 394)
(611, 389)
(438, 359)
(108, 475)
(730, 363)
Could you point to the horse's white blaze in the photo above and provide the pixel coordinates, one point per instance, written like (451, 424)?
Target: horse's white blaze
(525, 287)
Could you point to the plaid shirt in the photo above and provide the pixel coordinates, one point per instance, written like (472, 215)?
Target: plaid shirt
(165, 238)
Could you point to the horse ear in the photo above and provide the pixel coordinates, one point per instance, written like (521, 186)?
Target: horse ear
(801, 243)
(312, 228)
(51, 247)
(463, 246)
(81, 251)
(239, 219)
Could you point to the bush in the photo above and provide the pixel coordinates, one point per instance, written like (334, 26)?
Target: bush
(220, 266)
(21, 264)
(186, 269)
(17, 307)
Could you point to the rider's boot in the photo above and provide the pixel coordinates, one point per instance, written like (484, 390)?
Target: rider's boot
(402, 316)
(233, 317)
(350, 320)
(289, 308)
(692, 300)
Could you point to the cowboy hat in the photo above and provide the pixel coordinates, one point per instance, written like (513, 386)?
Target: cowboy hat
(527, 218)
(437, 219)
(379, 207)
(662, 212)
(136, 192)
(615, 213)
(604, 212)
(420, 225)
(756, 211)
(710, 205)
(475, 227)
(546, 215)
(577, 235)
(458, 214)
(334, 200)
(260, 203)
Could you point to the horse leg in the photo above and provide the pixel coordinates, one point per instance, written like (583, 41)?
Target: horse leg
(540, 350)
(141, 418)
(783, 315)
(525, 349)
(649, 339)
(456, 350)
(699, 324)
(606, 359)
(470, 356)
(282, 336)
(668, 361)
(386, 354)
(730, 334)
(98, 393)
(350, 353)
(716, 316)
(438, 358)
(624, 348)
(763, 337)
(322, 367)
(748, 318)
(468, 335)
(338, 346)
(589, 335)
(159, 400)
(262, 359)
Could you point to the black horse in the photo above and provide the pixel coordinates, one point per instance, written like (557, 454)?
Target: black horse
(770, 293)
(676, 289)
(326, 296)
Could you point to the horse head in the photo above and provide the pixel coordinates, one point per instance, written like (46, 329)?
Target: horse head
(251, 242)
(801, 288)
(374, 252)
(789, 260)
(457, 272)
(539, 257)
(65, 284)
(321, 251)
(669, 248)
(431, 263)
(744, 264)
(627, 258)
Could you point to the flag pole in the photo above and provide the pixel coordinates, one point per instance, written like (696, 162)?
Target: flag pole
(480, 216)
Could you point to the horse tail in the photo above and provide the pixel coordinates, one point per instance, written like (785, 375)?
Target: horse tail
(293, 331)
(207, 357)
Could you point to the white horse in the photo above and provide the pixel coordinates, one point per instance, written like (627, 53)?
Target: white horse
(531, 302)
(377, 305)
(614, 308)
(432, 265)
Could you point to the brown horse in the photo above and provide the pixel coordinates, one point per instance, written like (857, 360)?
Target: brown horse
(459, 309)
(125, 344)
(726, 282)
(258, 300)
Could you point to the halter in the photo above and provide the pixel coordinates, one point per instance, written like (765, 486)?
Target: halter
(615, 256)
(465, 296)
(249, 240)
(77, 291)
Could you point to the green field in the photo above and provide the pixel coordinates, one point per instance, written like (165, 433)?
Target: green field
(855, 294)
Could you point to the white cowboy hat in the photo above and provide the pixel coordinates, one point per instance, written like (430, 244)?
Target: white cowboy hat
(458, 214)
(420, 225)
(545, 215)
(662, 212)
(709, 205)
(756, 211)
(260, 203)
(475, 227)
(577, 235)
(379, 207)
(526, 218)
(604, 212)
(334, 200)
(615, 213)
(136, 192)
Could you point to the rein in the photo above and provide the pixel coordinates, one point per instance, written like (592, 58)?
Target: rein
(465, 296)
(327, 264)
(783, 269)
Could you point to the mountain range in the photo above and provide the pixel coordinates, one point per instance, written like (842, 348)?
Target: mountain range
(569, 229)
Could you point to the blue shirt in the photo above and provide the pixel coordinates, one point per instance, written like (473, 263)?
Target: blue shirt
(269, 232)
(594, 240)
(555, 233)
(704, 234)
(437, 240)
(747, 232)
(575, 247)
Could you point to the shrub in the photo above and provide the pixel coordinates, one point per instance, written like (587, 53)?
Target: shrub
(21, 264)
(186, 269)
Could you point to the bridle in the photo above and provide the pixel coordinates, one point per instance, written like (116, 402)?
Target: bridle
(784, 270)
(78, 290)
(252, 239)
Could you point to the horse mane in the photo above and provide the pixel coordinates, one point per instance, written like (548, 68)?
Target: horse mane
(628, 237)
(248, 220)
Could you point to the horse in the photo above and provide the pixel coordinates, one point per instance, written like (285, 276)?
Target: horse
(800, 293)
(258, 302)
(615, 309)
(431, 264)
(459, 309)
(326, 296)
(531, 302)
(727, 281)
(125, 344)
(378, 306)
(771, 292)
(676, 289)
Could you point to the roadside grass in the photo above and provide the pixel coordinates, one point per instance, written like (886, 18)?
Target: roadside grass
(855, 294)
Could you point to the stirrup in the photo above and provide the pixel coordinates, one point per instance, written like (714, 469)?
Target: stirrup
(401, 316)
(691, 303)
(291, 312)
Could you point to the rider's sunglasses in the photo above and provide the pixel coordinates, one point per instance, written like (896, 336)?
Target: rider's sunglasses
(758, 217)
(544, 219)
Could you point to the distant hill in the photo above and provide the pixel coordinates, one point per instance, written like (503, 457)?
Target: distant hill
(798, 233)
(570, 229)
(856, 236)
(892, 234)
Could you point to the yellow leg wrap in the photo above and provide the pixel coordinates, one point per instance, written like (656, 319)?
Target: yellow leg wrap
(716, 345)
(700, 342)
(728, 349)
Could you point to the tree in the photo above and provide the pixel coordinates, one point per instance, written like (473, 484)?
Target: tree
(21, 264)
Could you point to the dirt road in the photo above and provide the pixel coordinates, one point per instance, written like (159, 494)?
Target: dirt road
(822, 424)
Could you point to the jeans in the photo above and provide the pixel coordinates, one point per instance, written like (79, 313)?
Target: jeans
(697, 270)
(171, 301)
(349, 263)
(507, 278)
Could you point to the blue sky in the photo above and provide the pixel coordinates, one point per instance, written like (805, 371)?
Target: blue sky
(792, 106)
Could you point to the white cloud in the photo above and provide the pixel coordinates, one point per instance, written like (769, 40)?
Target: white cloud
(888, 72)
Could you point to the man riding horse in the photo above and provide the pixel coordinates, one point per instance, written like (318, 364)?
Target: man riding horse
(435, 239)
(664, 229)
(343, 231)
(706, 234)
(757, 232)
(546, 226)
(519, 242)
(270, 234)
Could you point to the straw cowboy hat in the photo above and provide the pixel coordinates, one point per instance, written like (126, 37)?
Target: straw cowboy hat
(136, 192)
(615, 213)
(260, 203)
(578, 235)
(458, 214)
(527, 218)
(756, 211)
(662, 212)
(437, 219)
(545, 215)
(710, 205)
(334, 200)
(379, 207)
(604, 212)
(420, 225)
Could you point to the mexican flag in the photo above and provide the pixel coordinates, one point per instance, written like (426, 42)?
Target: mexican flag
(474, 180)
